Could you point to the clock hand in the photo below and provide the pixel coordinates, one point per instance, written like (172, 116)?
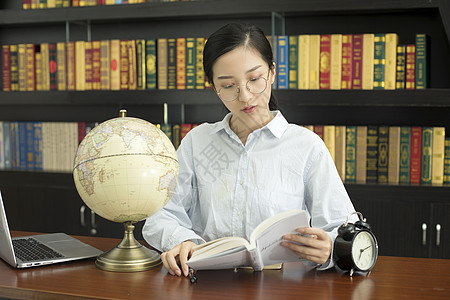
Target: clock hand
(362, 250)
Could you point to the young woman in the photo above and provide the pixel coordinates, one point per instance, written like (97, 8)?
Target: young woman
(251, 165)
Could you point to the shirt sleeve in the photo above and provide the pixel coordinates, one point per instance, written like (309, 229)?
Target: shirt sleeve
(326, 197)
(172, 224)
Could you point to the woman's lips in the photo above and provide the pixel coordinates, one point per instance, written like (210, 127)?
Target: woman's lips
(249, 109)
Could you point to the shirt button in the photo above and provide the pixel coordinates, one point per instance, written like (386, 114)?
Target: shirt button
(241, 182)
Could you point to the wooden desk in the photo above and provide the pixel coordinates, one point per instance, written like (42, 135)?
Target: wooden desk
(392, 278)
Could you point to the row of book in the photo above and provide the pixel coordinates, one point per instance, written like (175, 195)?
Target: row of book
(165, 63)
(362, 154)
(351, 61)
(336, 61)
(388, 154)
(40, 4)
(51, 146)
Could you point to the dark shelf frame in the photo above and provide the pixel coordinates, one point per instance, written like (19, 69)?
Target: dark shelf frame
(207, 9)
(391, 98)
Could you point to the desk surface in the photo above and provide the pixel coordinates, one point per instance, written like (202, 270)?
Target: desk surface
(392, 278)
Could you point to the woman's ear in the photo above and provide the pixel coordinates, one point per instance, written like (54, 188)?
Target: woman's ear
(274, 72)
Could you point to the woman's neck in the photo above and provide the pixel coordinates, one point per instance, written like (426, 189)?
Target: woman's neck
(243, 127)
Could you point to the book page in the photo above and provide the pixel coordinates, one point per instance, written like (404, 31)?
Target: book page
(212, 248)
(232, 260)
(269, 240)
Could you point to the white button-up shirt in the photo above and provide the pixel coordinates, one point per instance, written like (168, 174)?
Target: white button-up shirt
(226, 188)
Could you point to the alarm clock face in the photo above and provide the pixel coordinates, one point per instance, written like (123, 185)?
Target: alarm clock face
(364, 250)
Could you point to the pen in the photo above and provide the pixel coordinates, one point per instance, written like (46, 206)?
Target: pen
(192, 276)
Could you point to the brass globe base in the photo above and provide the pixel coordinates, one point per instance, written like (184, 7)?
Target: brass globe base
(129, 255)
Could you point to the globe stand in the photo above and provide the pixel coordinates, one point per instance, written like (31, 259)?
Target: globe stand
(129, 255)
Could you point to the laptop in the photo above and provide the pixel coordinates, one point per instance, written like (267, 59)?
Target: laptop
(39, 250)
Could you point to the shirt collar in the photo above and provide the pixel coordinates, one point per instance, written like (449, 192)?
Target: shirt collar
(277, 126)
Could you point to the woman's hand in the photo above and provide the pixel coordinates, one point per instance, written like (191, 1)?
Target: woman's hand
(315, 244)
(177, 257)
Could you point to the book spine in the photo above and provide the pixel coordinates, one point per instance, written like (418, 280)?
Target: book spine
(357, 62)
(37, 146)
(21, 146)
(416, 155)
(314, 64)
(405, 150)
(45, 65)
(115, 64)
(318, 129)
(329, 137)
(437, 160)
(368, 61)
(13, 52)
(283, 50)
(447, 161)
(150, 64)
(7, 144)
(22, 67)
(162, 60)
(30, 67)
(256, 259)
(181, 63)
(361, 154)
(190, 63)
(372, 154)
(61, 65)
(53, 66)
(38, 64)
(132, 67)
(422, 65)
(176, 135)
(410, 76)
(124, 66)
(2, 142)
(71, 66)
(391, 61)
(340, 151)
(394, 155)
(88, 65)
(383, 154)
(293, 62)
(105, 67)
(347, 68)
(167, 129)
(427, 151)
(304, 42)
(6, 63)
(199, 72)
(29, 146)
(96, 65)
(350, 154)
(401, 67)
(336, 62)
(325, 61)
(141, 64)
(379, 61)
(185, 128)
(80, 60)
(171, 63)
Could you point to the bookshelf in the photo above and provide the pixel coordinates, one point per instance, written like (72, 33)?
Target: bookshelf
(198, 18)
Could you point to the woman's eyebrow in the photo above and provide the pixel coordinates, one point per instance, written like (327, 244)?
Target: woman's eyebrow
(248, 71)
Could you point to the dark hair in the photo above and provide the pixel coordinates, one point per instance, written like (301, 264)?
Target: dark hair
(232, 36)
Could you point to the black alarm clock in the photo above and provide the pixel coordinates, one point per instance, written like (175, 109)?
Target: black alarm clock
(355, 247)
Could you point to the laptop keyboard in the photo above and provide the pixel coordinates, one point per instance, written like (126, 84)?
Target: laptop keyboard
(29, 249)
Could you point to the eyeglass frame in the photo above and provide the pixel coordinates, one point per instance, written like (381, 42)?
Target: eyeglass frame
(239, 90)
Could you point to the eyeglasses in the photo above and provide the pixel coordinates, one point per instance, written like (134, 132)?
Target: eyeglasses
(255, 86)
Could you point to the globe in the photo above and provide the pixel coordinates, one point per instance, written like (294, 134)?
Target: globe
(125, 170)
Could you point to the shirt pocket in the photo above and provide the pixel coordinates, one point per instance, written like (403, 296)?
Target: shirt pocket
(274, 197)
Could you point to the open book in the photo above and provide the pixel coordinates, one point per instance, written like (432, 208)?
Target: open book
(263, 249)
